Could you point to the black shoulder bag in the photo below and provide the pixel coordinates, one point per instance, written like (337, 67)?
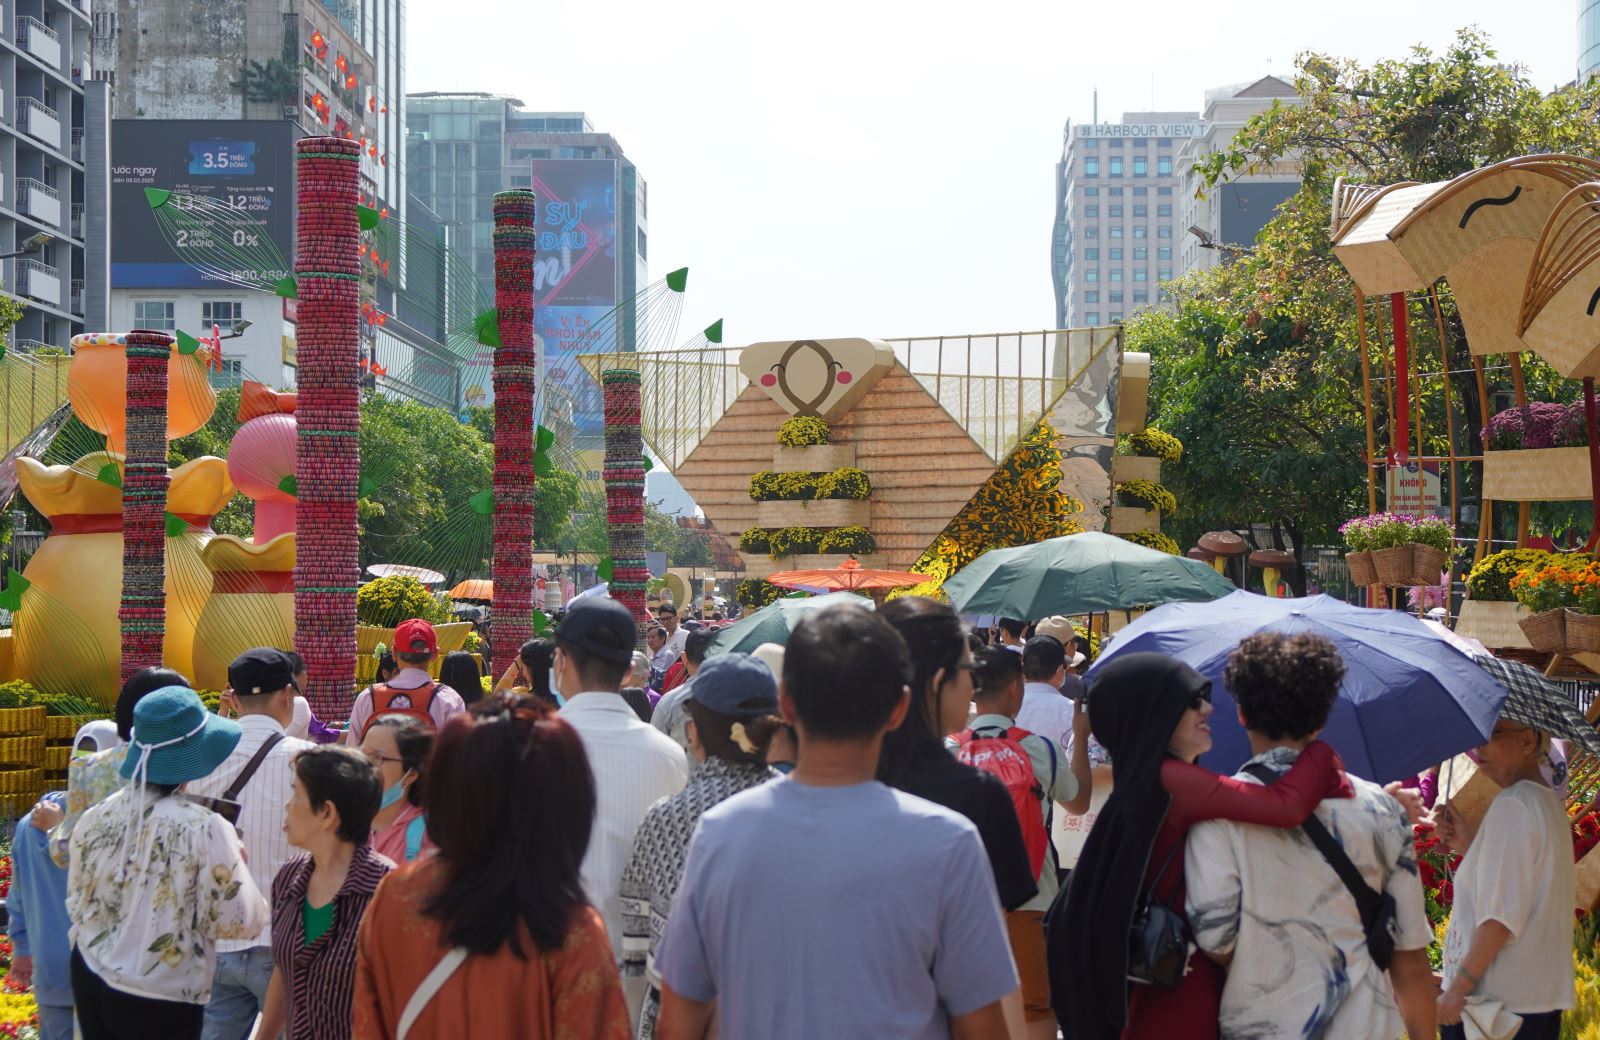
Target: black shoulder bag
(1158, 939)
(228, 806)
(1377, 909)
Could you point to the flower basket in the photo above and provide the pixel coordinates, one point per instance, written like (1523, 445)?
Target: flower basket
(65, 727)
(21, 751)
(1362, 573)
(56, 757)
(1393, 566)
(1546, 631)
(1427, 563)
(1582, 632)
(22, 720)
(21, 781)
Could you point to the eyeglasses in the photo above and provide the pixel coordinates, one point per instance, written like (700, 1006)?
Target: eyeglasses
(1203, 697)
(379, 758)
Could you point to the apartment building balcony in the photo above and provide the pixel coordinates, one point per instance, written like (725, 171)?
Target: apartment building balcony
(77, 145)
(36, 119)
(39, 201)
(77, 220)
(39, 281)
(77, 296)
(29, 346)
(39, 40)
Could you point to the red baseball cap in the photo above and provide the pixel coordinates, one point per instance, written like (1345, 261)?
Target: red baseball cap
(414, 637)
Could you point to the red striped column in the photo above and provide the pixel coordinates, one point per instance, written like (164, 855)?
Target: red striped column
(624, 479)
(327, 447)
(143, 611)
(514, 360)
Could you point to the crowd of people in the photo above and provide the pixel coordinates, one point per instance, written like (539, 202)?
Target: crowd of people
(851, 835)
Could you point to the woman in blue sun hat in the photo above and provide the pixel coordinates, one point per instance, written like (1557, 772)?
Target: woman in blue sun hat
(156, 880)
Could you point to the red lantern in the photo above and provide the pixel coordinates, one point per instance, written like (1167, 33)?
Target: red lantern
(372, 104)
(350, 82)
(385, 109)
(342, 63)
(373, 151)
(317, 39)
(384, 213)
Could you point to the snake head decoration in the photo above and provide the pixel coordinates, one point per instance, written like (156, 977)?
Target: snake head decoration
(820, 378)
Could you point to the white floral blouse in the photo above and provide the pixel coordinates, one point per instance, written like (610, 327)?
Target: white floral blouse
(146, 919)
(90, 781)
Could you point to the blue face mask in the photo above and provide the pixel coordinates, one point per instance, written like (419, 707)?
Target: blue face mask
(392, 795)
(784, 767)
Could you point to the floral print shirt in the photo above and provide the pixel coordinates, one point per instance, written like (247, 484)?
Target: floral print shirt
(90, 781)
(146, 919)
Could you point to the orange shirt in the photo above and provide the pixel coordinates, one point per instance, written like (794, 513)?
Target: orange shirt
(571, 992)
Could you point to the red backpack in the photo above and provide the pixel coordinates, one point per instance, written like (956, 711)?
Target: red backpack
(420, 700)
(1004, 756)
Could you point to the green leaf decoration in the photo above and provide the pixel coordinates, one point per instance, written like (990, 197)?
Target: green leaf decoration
(482, 503)
(176, 525)
(544, 439)
(541, 623)
(542, 466)
(367, 217)
(2, 351)
(11, 595)
(289, 486)
(110, 474)
(487, 326)
(648, 465)
(287, 287)
(157, 197)
(605, 568)
(714, 331)
(365, 487)
(187, 344)
(678, 279)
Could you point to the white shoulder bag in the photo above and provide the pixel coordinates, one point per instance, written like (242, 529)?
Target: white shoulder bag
(430, 987)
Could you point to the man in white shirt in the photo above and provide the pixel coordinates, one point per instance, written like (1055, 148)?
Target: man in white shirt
(415, 647)
(1045, 709)
(633, 765)
(677, 636)
(661, 655)
(262, 683)
(1266, 903)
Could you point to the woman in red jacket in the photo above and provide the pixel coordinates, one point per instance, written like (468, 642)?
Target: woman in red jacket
(1151, 713)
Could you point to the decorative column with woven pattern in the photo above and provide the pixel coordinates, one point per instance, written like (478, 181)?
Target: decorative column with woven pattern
(514, 361)
(143, 612)
(327, 447)
(624, 477)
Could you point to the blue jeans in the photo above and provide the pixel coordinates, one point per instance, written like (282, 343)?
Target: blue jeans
(55, 1023)
(238, 993)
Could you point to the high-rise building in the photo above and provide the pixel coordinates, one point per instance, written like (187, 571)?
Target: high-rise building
(53, 174)
(208, 98)
(1233, 213)
(1588, 39)
(464, 147)
(1117, 215)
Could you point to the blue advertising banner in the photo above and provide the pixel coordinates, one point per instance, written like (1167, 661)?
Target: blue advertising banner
(245, 164)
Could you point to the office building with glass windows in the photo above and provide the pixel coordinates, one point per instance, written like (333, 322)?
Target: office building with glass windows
(1588, 39)
(1117, 215)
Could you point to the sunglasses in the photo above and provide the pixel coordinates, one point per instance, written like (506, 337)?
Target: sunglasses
(1203, 697)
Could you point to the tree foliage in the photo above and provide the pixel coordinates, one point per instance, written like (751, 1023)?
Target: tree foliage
(1259, 370)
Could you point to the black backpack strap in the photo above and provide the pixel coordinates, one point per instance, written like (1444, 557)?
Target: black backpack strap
(1325, 843)
(232, 793)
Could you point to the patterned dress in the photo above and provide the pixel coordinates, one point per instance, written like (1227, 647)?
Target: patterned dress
(654, 871)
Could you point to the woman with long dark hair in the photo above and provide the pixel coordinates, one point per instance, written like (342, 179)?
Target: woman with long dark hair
(914, 758)
(461, 673)
(1151, 713)
(493, 936)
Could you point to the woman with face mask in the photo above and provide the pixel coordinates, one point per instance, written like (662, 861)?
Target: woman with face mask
(398, 745)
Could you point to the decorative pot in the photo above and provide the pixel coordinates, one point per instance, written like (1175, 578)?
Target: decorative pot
(1393, 566)
(1427, 563)
(1546, 631)
(1362, 573)
(14, 721)
(1582, 632)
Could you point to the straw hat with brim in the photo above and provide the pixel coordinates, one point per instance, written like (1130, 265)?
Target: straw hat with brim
(175, 739)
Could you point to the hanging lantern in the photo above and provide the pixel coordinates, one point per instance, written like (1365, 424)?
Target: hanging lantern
(350, 82)
(342, 63)
(317, 39)
(373, 151)
(385, 109)
(372, 104)
(383, 159)
(383, 213)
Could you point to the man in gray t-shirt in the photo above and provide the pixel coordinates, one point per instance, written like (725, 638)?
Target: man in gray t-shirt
(808, 907)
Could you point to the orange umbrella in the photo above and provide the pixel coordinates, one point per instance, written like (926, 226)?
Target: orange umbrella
(474, 588)
(849, 575)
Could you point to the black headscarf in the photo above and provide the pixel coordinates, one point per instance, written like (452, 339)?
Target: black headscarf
(1135, 702)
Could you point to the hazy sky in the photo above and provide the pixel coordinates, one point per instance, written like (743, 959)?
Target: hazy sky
(884, 168)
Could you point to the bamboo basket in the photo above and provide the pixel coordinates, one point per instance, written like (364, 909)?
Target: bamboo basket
(22, 720)
(1582, 632)
(21, 751)
(56, 757)
(1362, 573)
(1427, 563)
(21, 781)
(1393, 565)
(1546, 631)
(65, 727)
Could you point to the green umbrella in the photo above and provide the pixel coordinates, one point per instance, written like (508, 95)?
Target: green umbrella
(1080, 574)
(773, 622)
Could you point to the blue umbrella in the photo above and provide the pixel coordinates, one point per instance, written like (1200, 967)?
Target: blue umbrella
(1409, 700)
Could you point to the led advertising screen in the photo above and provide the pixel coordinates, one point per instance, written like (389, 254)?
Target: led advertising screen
(245, 164)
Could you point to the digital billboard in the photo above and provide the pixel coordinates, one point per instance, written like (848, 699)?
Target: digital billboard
(245, 164)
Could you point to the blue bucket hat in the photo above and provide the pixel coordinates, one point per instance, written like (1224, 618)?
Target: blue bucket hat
(736, 685)
(175, 739)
